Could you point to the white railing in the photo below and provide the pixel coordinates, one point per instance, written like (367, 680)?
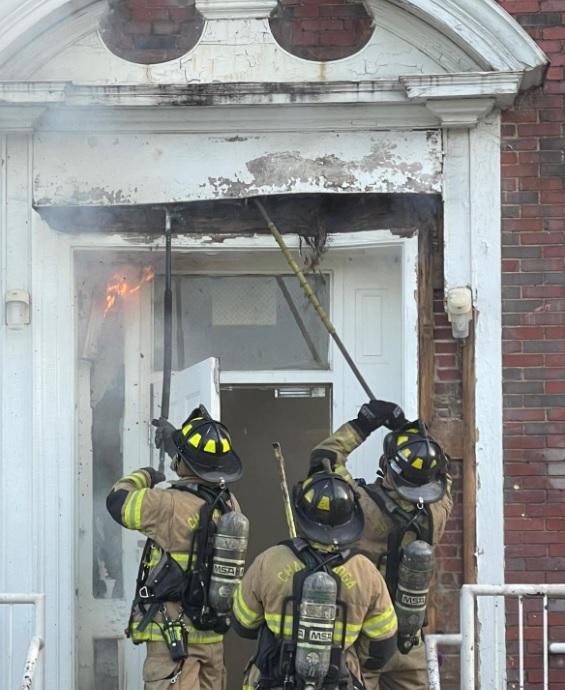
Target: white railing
(466, 639)
(37, 641)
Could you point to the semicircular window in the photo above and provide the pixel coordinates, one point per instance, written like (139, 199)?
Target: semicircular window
(322, 30)
(151, 31)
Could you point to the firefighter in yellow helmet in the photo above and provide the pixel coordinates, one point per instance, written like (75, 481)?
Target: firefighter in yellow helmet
(410, 499)
(173, 611)
(321, 611)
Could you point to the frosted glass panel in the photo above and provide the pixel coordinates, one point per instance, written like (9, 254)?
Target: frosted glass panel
(251, 322)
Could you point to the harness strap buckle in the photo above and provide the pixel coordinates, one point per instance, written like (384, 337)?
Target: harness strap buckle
(144, 593)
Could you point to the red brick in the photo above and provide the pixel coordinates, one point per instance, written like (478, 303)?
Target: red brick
(554, 333)
(554, 251)
(556, 414)
(522, 360)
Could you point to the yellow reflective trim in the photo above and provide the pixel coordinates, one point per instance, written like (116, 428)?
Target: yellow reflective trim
(138, 478)
(225, 445)
(186, 428)
(418, 463)
(324, 503)
(274, 621)
(137, 508)
(385, 631)
(244, 614)
(401, 439)
(210, 446)
(343, 472)
(195, 439)
(434, 463)
(309, 495)
(180, 557)
(128, 510)
(406, 453)
(152, 633)
(381, 625)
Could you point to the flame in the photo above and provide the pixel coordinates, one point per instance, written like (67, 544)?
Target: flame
(119, 287)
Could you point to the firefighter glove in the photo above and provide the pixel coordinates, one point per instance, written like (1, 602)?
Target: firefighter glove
(377, 413)
(164, 436)
(155, 476)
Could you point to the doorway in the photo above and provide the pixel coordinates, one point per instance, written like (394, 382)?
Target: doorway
(279, 378)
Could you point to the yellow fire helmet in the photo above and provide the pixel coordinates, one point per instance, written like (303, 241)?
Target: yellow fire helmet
(205, 446)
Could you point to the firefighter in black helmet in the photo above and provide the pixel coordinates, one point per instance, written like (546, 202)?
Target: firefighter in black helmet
(173, 610)
(321, 611)
(410, 499)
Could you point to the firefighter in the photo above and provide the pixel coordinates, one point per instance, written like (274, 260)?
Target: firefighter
(410, 499)
(318, 633)
(171, 611)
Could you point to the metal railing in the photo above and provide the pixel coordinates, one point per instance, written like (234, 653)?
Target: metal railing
(465, 640)
(37, 641)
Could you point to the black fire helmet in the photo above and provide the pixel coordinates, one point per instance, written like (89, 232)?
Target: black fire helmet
(416, 464)
(327, 509)
(205, 446)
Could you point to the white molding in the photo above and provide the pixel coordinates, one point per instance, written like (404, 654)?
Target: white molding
(501, 86)
(485, 255)
(235, 9)
(480, 28)
(486, 32)
(465, 112)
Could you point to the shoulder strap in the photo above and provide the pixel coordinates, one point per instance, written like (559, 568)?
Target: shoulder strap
(219, 498)
(419, 522)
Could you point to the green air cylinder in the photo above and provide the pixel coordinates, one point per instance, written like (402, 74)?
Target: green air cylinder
(414, 577)
(315, 629)
(228, 561)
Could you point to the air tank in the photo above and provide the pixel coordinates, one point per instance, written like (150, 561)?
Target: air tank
(315, 629)
(228, 561)
(414, 577)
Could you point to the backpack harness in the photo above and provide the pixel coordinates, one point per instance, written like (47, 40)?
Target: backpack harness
(275, 656)
(168, 581)
(419, 522)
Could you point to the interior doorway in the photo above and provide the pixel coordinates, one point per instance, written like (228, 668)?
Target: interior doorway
(296, 416)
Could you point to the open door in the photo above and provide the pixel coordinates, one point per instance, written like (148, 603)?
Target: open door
(196, 385)
(107, 660)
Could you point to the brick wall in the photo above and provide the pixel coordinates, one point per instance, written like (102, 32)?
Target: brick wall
(533, 272)
(322, 29)
(151, 31)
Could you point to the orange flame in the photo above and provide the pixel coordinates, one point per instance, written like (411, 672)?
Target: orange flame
(119, 287)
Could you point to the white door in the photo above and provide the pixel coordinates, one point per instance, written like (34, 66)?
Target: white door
(107, 660)
(191, 387)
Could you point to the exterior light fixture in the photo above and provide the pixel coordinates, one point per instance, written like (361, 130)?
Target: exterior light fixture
(17, 314)
(459, 307)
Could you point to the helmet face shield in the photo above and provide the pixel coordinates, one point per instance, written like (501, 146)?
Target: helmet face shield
(327, 510)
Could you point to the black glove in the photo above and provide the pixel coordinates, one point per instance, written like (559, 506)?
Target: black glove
(156, 477)
(164, 436)
(377, 413)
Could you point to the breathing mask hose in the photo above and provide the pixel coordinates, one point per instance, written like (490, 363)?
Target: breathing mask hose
(411, 598)
(167, 332)
(315, 629)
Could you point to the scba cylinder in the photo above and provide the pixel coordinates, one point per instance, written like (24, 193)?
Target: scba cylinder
(228, 562)
(315, 629)
(414, 577)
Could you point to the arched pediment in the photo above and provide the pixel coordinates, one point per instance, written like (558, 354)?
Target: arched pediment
(57, 40)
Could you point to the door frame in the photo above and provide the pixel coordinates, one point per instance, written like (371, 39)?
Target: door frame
(56, 394)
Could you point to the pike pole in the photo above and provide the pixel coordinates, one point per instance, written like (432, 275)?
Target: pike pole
(284, 489)
(311, 295)
(167, 333)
